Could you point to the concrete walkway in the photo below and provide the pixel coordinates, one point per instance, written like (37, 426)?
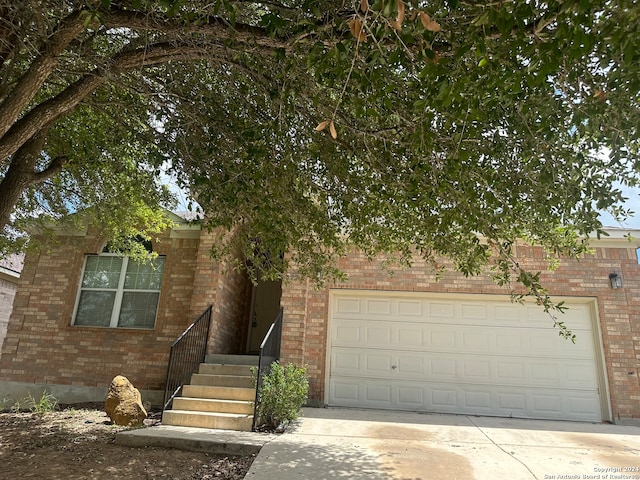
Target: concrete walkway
(334, 443)
(379, 445)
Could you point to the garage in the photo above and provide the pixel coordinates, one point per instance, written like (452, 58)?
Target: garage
(464, 354)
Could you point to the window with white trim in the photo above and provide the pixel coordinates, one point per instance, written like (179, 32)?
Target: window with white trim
(119, 292)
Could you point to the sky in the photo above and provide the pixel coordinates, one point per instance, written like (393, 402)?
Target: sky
(632, 203)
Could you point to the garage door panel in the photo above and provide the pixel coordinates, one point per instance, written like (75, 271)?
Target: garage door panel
(478, 400)
(439, 366)
(347, 305)
(346, 362)
(412, 397)
(347, 334)
(440, 310)
(543, 344)
(475, 340)
(345, 392)
(412, 365)
(461, 356)
(579, 374)
(476, 369)
(411, 336)
(576, 318)
(376, 335)
(508, 313)
(410, 308)
(377, 365)
(374, 364)
(510, 342)
(377, 394)
(512, 402)
(443, 368)
(472, 312)
(583, 345)
(547, 403)
(545, 374)
(380, 365)
(474, 400)
(427, 337)
(377, 307)
(509, 371)
(497, 313)
(539, 342)
(443, 398)
(580, 404)
(441, 337)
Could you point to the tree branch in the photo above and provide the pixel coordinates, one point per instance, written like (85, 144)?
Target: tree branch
(39, 71)
(8, 35)
(46, 112)
(212, 27)
(75, 93)
(55, 166)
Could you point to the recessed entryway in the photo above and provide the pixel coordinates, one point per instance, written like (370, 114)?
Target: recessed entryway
(265, 306)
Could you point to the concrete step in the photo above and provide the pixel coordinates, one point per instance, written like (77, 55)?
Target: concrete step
(213, 405)
(222, 369)
(222, 380)
(219, 442)
(224, 359)
(222, 421)
(220, 393)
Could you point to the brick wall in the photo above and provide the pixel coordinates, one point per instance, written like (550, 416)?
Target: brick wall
(43, 347)
(228, 291)
(231, 313)
(206, 278)
(306, 309)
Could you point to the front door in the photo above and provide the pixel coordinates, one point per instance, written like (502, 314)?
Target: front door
(265, 307)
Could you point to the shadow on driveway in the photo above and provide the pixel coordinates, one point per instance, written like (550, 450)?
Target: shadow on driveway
(336, 443)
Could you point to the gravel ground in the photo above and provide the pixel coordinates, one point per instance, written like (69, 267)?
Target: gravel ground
(78, 443)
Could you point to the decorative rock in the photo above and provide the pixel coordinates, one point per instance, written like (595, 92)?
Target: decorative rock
(124, 404)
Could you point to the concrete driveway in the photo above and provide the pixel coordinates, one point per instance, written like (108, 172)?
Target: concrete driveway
(379, 445)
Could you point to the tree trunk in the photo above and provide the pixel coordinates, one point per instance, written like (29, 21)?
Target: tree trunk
(20, 175)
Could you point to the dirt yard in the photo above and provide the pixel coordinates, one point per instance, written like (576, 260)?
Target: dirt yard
(79, 444)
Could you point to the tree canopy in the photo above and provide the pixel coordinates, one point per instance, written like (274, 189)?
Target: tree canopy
(309, 127)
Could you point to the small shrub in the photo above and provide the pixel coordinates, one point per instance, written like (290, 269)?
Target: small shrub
(19, 405)
(5, 405)
(46, 403)
(282, 393)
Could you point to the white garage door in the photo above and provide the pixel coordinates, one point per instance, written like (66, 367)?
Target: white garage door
(451, 354)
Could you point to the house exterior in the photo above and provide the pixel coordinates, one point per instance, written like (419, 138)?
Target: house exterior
(403, 341)
(10, 268)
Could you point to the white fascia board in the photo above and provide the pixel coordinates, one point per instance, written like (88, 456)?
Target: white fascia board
(184, 228)
(616, 238)
(186, 231)
(9, 275)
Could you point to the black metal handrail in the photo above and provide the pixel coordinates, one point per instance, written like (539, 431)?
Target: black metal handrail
(187, 353)
(269, 353)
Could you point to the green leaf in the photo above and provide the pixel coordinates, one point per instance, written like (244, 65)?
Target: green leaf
(482, 19)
